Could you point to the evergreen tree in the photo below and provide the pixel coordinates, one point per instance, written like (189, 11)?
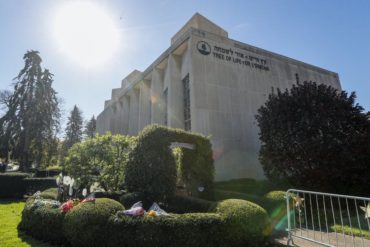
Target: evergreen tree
(32, 113)
(46, 117)
(74, 128)
(317, 138)
(90, 128)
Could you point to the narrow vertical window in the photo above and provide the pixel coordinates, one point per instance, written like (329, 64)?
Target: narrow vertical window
(187, 116)
(150, 110)
(297, 78)
(165, 96)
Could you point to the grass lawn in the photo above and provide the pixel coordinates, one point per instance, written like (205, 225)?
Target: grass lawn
(10, 216)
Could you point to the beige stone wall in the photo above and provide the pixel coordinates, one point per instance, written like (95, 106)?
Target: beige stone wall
(229, 81)
(228, 92)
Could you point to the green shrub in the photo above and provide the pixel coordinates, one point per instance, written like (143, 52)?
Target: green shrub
(251, 186)
(84, 225)
(43, 222)
(48, 172)
(114, 195)
(152, 170)
(51, 193)
(39, 184)
(220, 195)
(127, 200)
(247, 224)
(107, 153)
(186, 204)
(12, 184)
(275, 204)
(317, 138)
(195, 229)
(274, 200)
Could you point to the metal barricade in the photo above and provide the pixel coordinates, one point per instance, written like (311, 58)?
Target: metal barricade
(328, 219)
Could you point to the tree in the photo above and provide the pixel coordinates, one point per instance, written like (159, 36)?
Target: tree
(317, 138)
(107, 153)
(74, 128)
(46, 117)
(5, 96)
(32, 113)
(90, 128)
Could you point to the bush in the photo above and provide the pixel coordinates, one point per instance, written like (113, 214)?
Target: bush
(317, 138)
(251, 186)
(104, 155)
(39, 184)
(247, 224)
(233, 223)
(274, 199)
(275, 204)
(52, 172)
(114, 195)
(44, 222)
(12, 184)
(127, 200)
(84, 225)
(51, 193)
(220, 195)
(152, 170)
(195, 229)
(186, 204)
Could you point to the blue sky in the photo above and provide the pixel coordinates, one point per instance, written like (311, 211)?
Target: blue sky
(334, 35)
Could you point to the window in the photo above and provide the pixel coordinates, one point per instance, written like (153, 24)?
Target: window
(187, 117)
(297, 78)
(150, 110)
(165, 96)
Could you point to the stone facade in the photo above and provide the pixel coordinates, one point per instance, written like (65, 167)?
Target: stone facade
(207, 83)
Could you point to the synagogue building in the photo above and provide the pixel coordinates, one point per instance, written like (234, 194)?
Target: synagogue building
(206, 82)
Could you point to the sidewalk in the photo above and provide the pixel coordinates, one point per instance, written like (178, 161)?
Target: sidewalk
(338, 239)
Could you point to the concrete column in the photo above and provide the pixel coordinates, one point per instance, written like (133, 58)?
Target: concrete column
(144, 104)
(175, 93)
(100, 123)
(125, 114)
(107, 117)
(113, 118)
(134, 112)
(156, 95)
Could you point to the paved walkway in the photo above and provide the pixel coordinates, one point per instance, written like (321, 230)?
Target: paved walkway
(331, 239)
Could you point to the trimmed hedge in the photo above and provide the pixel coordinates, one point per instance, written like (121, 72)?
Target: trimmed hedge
(48, 173)
(152, 170)
(274, 200)
(115, 195)
(84, 225)
(51, 193)
(251, 186)
(194, 229)
(185, 204)
(176, 204)
(43, 222)
(231, 223)
(127, 200)
(220, 195)
(39, 184)
(12, 184)
(247, 224)
(275, 204)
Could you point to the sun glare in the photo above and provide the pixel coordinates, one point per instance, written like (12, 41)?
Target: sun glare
(85, 33)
